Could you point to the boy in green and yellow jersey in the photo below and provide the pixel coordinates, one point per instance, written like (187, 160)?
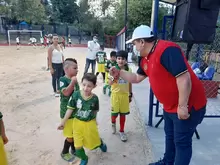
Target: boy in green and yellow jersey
(3, 141)
(84, 105)
(68, 85)
(109, 63)
(121, 95)
(101, 59)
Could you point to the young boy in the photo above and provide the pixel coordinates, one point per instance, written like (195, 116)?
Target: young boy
(68, 85)
(18, 42)
(121, 95)
(110, 63)
(84, 105)
(70, 41)
(3, 141)
(101, 58)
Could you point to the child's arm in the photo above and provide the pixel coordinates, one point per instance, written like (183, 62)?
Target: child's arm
(96, 109)
(130, 92)
(71, 106)
(70, 88)
(2, 129)
(66, 117)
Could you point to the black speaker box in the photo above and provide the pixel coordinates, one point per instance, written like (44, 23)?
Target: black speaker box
(195, 21)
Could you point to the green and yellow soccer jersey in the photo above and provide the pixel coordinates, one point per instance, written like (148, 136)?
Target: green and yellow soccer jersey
(64, 83)
(84, 109)
(101, 56)
(110, 64)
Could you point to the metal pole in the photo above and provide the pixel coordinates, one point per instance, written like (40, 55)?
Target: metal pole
(152, 15)
(154, 21)
(126, 20)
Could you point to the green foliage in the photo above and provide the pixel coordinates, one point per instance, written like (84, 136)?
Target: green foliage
(28, 10)
(64, 11)
(83, 16)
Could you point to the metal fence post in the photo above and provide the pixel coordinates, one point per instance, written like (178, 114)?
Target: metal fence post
(151, 96)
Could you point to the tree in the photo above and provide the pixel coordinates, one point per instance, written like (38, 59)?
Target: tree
(5, 7)
(28, 10)
(64, 11)
(139, 12)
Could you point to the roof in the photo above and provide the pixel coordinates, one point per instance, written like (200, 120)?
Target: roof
(169, 1)
(121, 32)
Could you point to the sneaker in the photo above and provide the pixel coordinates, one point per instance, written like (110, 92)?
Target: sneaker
(57, 95)
(160, 162)
(123, 136)
(67, 157)
(113, 128)
(83, 162)
(103, 147)
(73, 152)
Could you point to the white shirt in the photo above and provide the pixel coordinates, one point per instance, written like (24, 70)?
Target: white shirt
(17, 39)
(93, 48)
(57, 56)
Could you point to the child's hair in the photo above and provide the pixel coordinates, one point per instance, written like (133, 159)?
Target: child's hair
(102, 47)
(68, 61)
(90, 77)
(71, 59)
(122, 54)
(54, 35)
(113, 54)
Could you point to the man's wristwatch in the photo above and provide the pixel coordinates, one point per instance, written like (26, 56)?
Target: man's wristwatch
(111, 78)
(131, 94)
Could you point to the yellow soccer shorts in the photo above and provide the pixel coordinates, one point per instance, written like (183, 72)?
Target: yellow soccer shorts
(120, 104)
(68, 129)
(85, 134)
(3, 158)
(101, 68)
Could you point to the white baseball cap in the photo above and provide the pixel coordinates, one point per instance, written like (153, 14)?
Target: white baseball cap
(142, 31)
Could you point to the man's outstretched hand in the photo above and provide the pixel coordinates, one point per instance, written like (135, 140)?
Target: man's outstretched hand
(114, 72)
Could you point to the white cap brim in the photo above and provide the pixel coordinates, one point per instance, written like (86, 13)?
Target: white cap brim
(130, 41)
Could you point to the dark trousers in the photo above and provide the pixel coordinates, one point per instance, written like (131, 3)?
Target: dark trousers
(88, 62)
(58, 72)
(179, 133)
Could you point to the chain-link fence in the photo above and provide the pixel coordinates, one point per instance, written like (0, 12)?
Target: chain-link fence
(77, 36)
(67, 31)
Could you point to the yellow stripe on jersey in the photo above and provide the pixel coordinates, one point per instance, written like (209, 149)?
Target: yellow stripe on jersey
(72, 108)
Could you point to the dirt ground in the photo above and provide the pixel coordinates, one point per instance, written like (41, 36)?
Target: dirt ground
(31, 114)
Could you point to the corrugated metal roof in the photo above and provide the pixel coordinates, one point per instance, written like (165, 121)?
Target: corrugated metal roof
(169, 1)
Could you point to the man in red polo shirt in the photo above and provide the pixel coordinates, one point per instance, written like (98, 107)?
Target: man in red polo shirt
(175, 85)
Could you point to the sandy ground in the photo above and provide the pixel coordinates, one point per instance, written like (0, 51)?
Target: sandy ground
(31, 114)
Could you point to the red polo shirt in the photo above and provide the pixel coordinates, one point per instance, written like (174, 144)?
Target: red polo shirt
(163, 65)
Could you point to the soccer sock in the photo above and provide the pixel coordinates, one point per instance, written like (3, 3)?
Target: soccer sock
(122, 123)
(66, 147)
(103, 74)
(80, 153)
(72, 146)
(114, 119)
